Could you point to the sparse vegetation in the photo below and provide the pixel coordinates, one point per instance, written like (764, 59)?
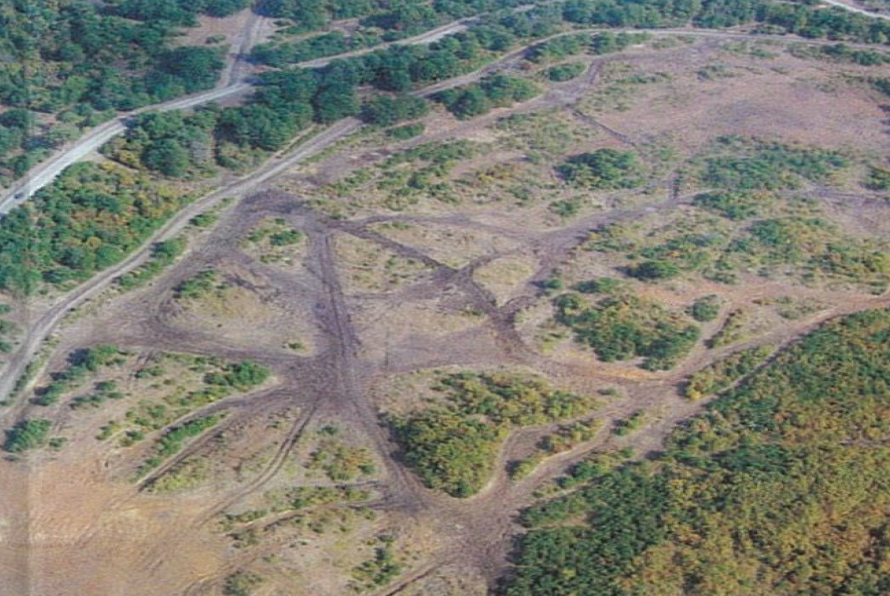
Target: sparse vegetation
(381, 569)
(81, 364)
(241, 583)
(340, 462)
(628, 425)
(172, 441)
(878, 179)
(274, 241)
(733, 329)
(199, 286)
(163, 255)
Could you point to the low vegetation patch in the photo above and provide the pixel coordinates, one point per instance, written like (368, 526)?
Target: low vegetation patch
(565, 72)
(199, 286)
(453, 445)
(496, 91)
(339, 461)
(742, 164)
(379, 570)
(604, 169)
(623, 327)
(163, 254)
(706, 308)
(26, 435)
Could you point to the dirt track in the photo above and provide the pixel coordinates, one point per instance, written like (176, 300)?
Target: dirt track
(335, 381)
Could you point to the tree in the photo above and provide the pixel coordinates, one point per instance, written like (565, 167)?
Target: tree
(654, 270)
(195, 67)
(386, 111)
(603, 169)
(168, 157)
(335, 101)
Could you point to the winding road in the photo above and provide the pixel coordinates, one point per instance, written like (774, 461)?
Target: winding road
(234, 82)
(856, 9)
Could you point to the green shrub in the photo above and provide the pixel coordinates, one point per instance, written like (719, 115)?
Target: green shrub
(241, 583)
(27, 435)
(624, 327)
(604, 169)
(453, 446)
(878, 179)
(408, 131)
(633, 422)
(601, 285)
(706, 309)
(654, 270)
(163, 254)
(198, 286)
(495, 91)
(749, 164)
(734, 205)
(565, 72)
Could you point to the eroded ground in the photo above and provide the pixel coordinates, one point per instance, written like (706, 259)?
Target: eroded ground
(232, 426)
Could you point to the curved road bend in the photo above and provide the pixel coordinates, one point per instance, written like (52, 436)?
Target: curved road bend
(231, 85)
(856, 9)
(46, 172)
(47, 321)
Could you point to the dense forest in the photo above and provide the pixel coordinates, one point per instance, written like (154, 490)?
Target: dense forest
(80, 63)
(92, 217)
(781, 488)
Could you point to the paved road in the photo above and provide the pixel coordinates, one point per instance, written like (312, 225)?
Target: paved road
(46, 172)
(47, 321)
(430, 36)
(848, 6)
(232, 84)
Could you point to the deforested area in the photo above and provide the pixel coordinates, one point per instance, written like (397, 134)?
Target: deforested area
(444, 298)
